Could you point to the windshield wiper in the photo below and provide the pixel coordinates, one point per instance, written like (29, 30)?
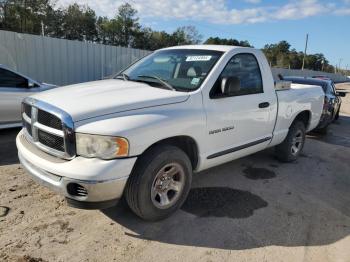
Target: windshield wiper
(125, 76)
(161, 81)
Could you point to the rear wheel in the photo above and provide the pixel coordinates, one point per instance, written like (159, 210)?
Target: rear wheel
(291, 147)
(160, 183)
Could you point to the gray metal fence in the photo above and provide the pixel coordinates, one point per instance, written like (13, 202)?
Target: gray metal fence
(303, 73)
(63, 62)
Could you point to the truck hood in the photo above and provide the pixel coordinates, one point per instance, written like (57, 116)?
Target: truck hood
(93, 99)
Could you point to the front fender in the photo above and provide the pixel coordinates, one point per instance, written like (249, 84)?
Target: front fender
(145, 127)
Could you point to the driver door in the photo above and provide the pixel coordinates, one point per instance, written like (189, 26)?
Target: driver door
(241, 123)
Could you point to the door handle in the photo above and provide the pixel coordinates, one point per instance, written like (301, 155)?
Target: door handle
(264, 105)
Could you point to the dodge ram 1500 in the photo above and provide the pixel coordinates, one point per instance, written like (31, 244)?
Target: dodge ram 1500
(141, 134)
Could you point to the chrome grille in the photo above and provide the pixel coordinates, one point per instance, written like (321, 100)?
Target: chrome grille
(27, 110)
(49, 120)
(28, 127)
(51, 141)
(49, 128)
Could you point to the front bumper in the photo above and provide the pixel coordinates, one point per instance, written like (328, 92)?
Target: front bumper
(86, 183)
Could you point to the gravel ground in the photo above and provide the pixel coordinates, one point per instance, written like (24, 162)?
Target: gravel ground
(252, 209)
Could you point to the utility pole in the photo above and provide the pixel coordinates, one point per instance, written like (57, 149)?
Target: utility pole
(307, 39)
(340, 59)
(42, 29)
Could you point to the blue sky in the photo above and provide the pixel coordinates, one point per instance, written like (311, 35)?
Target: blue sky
(258, 21)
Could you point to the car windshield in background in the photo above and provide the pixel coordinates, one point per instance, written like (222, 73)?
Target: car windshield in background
(180, 69)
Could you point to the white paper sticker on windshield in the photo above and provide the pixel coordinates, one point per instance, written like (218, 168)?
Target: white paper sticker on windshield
(198, 58)
(195, 81)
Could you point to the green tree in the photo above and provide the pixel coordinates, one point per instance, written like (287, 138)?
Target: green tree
(108, 31)
(79, 23)
(53, 23)
(143, 39)
(24, 16)
(123, 30)
(225, 41)
(187, 35)
(126, 25)
(280, 55)
(3, 14)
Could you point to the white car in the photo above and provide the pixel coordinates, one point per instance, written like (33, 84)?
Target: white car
(14, 87)
(142, 134)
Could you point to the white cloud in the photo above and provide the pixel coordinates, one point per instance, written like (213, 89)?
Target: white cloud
(300, 9)
(212, 11)
(344, 11)
(253, 1)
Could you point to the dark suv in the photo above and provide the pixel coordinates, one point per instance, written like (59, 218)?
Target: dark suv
(332, 100)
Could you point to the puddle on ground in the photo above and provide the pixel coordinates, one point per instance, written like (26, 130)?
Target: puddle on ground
(258, 173)
(222, 202)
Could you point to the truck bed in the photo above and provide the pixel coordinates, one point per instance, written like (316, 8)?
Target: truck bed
(293, 100)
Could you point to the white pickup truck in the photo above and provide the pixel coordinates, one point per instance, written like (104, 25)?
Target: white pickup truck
(143, 133)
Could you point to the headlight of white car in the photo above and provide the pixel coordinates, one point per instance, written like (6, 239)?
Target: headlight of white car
(104, 147)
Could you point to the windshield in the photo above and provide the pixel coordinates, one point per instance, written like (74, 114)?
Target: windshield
(182, 69)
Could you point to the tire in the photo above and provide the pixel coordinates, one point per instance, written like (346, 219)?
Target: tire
(337, 115)
(285, 151)
(150, 180)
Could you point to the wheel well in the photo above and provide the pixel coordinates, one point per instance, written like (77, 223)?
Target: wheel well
(304, 117)
(185, 143)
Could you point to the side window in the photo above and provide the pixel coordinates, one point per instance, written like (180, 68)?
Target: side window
(10, 79)
(245, 67)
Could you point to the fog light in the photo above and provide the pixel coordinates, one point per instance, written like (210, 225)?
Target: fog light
(75, 189)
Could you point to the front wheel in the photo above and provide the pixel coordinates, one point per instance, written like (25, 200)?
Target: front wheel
(159, 183)
(291, 147)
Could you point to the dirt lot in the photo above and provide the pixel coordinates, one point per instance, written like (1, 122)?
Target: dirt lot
(252, 209)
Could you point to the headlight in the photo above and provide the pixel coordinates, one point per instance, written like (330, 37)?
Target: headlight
(104, 147)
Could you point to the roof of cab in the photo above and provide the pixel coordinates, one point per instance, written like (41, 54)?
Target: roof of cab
(222, 48)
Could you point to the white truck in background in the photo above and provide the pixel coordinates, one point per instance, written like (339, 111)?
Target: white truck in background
(143, 133)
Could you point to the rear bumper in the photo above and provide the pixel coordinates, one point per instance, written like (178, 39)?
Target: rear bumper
(101, 184)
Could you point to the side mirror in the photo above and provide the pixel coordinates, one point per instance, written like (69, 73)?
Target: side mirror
(283, 85)
(342, 94)
(230, 85)
(31, 84)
